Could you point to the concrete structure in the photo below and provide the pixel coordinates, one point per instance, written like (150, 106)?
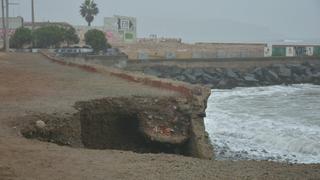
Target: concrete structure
(14, 23)
(268, 51)
(117, 29)
(121, 29)
(290, 52)
(310, 51)
(173, 48)
(294, 50)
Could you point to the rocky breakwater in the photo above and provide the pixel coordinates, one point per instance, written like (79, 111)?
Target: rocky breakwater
(225, 78)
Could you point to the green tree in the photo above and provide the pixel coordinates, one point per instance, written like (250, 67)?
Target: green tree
(96, 39)
(89, 10)
(70, 36)
(21, 37)
(48, 36)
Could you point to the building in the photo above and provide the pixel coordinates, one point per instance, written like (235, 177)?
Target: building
(293, 50)
(117, 29)
(121, 29)
(14, 23)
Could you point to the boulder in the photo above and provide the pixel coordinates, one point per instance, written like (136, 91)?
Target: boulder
(308, 72)
(297, 78)
(197, 72)
(181, 78)
(174, 71)
(316, 76)
(271, 76)
(206, 78)
(297, 69)
(151, 71)
(231, 74)
(258, 72)
(285, 72)
(190, 78)
(250, 78)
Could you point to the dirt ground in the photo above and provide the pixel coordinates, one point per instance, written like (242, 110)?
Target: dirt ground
(30, 83)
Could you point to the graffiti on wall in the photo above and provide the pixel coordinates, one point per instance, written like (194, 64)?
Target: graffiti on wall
(10, 32)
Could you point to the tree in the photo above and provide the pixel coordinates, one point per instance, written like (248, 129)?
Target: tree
(48, 36)
(70, 36)
(54, 36)
(96, 39)
(89, 10)
(21, 37)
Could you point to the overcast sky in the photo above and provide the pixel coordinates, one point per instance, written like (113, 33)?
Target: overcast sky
(201, 20)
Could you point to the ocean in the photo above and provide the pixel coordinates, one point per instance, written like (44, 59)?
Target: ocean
(274, 123)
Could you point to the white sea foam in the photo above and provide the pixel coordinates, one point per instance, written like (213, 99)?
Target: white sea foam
(278, 123)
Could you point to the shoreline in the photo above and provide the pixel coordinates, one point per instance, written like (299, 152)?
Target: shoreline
(34, 84)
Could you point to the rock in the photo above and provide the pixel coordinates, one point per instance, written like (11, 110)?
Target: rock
(231, 74)
(307, 64)
(316, 78)
(317, 75)
(285, 72)
(171, 71)
(190, 78)
(308, 72)
(209, 70)
(227, 83)
(297, 69)
(197, 72)
(222, 83)
(206, 78)
(153, 72)
(250, 78)
(181, 78)
(258, 72)
(40, 124)
(271, 76)
(296, 78)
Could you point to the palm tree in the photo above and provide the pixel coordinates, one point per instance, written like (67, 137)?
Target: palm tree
(88, 10)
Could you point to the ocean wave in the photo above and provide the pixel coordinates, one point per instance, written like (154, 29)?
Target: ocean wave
(279, 123)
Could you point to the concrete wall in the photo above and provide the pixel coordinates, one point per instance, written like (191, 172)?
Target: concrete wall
(160, 50)
(14, 23)
(109, 61)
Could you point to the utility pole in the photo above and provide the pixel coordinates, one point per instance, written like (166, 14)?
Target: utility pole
(4, 27)
(32, 13)
(7, 26)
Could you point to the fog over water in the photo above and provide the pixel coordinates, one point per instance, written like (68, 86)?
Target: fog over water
(277, 123)
(205, 20)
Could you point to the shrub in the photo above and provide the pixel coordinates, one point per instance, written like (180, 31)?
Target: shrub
(21, 37)
(96, 39)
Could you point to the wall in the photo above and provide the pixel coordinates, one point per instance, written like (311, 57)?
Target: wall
(109, 61)
(316, 51)
(14, 23)
(161, 49)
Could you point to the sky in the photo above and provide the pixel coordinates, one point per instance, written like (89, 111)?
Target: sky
(195, 21)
